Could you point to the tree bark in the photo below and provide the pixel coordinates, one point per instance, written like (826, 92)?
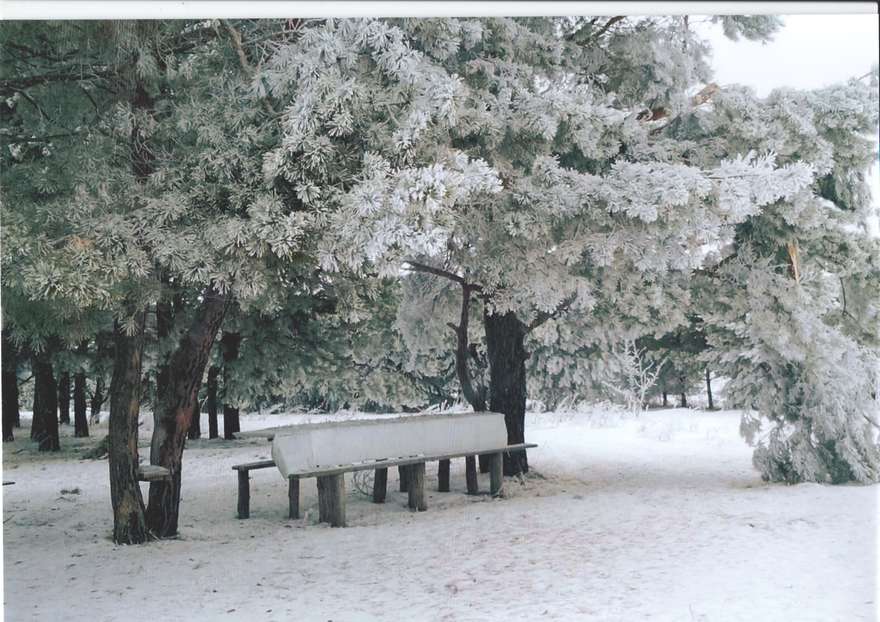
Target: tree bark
(129, 522)
(476, 396)
(80, 421)
(187, 365)
(229, 346)
(195, 425)
(64, 398)
(44, 427)
(164, 324)
(97, 400)
(9, 354)
(505, 345)
(211, 402)
(709, 389)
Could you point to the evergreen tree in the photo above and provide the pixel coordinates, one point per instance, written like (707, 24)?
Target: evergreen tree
(791, 303)
(517, 157)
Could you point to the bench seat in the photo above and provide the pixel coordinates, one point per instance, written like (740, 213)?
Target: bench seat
(328, 450)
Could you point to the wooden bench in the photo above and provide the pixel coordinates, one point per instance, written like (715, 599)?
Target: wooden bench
(297, 458)
(244, 486)
(152, 473)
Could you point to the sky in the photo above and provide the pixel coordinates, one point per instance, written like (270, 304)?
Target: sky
(811, 51)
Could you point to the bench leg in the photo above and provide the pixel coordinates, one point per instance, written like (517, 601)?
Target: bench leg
(331, 499)
(470, 471)
(293, 496)
(380, 485)
(416, 486)
(244, 494)
(496, 480)
(403, 476)
(443, 476)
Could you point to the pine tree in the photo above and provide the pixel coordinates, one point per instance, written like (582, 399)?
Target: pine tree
(522, 157)
(791, 304)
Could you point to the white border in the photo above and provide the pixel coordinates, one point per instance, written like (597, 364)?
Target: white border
(189, 9)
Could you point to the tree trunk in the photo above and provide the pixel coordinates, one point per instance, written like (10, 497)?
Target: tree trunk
(195, 425)
(44, 427)
(505, 344)
(665, 399)
(709, 389)
(80, 420)
(211, 402)
(9, 355)
(97, 400)
(187, 364)
(129, 522)
(229, 345)
(64, 398)
(164, 324)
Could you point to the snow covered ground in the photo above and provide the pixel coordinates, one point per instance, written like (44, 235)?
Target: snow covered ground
(659, 517)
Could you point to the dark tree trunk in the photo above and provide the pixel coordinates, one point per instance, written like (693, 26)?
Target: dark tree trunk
(187, 364)
(211, 401)
(80, 420)
(44, 427)
(709, 389)
(665, 399)
(684, 401)
(97, 400)
(229, 345)
(129, 522)
(195, 425)
(11, 415)
(505, 344)
(64, 398)
(164, 324)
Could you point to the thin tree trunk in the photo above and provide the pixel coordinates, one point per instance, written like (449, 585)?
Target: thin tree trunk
(129, 522)
(80, 420)
(211, 402)
(665, 399)
(709, 389)
(505, 344)
(64, 398)
(44, 427)
(195, 425)
(97, 401)
(229, 346)
(9, 354)
(187, 365)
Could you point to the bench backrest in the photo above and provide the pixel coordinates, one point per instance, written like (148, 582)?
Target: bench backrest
(312, 446)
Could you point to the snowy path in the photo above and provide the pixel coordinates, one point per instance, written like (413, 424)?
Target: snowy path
(660, 518)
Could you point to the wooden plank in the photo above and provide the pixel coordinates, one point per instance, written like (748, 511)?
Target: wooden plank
(403, 461)
(293, 497)
(443, 476)
(403, 477)
(470, 472)
(152, 473)
(380, 485)
(244, 495)
(331, 499)
(250, 466)
(416, 485)
(496, 474)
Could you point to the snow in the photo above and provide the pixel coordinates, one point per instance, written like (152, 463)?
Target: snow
(659, 517)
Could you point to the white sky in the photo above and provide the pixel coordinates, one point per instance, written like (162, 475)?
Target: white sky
(811, 51)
